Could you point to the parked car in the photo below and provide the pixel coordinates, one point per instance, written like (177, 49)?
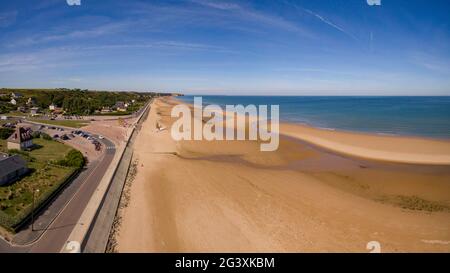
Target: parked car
(65, 137)
(101, 137)
(55, 136)
(98, 146)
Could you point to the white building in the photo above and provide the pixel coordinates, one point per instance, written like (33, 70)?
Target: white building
(34, 111)
(16, 95)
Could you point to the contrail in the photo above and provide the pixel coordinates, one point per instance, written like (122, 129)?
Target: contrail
(326, 21)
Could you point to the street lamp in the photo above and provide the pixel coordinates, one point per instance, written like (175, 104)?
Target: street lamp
(32, 210)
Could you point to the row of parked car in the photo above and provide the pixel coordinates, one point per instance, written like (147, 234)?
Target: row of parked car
(51, 128)
(91, 138)
(73, 134)
(10, 125)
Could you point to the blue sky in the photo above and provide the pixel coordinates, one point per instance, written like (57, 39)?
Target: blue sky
(277, 47)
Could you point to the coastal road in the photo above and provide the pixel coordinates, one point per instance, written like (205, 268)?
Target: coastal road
(55, 222)
(96, 240)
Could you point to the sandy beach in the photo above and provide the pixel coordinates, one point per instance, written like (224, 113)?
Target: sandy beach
(321, 191)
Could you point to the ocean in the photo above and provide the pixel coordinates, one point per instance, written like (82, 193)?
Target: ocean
(408, 116)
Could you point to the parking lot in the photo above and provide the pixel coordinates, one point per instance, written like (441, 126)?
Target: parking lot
(90, 145)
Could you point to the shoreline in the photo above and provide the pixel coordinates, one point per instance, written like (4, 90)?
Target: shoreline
(330, 128)
(227, 196)
(396, 149)
(371, 146)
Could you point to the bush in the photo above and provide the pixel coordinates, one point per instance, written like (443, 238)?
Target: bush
(5, 132)
(46, 136)
(73, 158)
(36, 134)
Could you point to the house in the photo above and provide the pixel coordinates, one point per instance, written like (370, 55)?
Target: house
(55, 109)
(58, 111)
(34, 111)
(21, 139)
(31, 101)
(11, 168)
(106, 109)
(13, 102)
(16, 95)
(120, 106)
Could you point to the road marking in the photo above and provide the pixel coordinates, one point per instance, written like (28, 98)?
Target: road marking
(76, 193)
(67, 204)
(61, 211)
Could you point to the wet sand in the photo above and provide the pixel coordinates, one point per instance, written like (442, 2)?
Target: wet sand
(321, 191)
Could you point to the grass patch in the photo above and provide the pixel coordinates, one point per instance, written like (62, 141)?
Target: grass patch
(16, 114)
(67, 123)
(9, 120)
(49, 151)
(3, 146)
(115, 113)
(45, 175)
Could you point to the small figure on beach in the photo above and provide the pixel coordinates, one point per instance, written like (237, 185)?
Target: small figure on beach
(159, 127)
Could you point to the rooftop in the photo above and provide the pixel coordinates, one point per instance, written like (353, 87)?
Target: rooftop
(20, 135)
(10, 164)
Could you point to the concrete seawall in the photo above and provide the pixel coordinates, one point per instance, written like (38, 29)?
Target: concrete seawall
(96, 221)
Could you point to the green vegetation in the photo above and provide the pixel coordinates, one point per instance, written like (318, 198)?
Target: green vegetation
(36, 134)
(49, 151)
(73, 101)
(5, 132)
(123, 113)
(45, 136)
(73, 158)
(3, 146)
(46, 175)
(67, 123)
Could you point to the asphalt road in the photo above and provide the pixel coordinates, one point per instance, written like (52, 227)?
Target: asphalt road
(55, 222)
(96, 240)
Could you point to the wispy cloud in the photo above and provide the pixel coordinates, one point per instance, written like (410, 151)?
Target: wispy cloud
(70, 55)
(169, 45)
(430, 62)
(248, 14)
(56, 36)
(38, 60)
(7, 18)
(218, 4)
